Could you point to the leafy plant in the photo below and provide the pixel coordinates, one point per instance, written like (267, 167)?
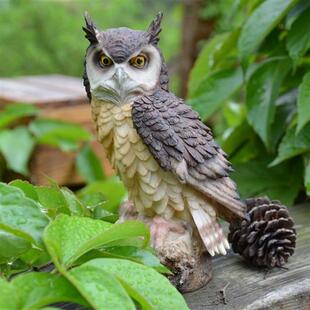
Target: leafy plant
(253, 83)
(94, 263)
(17, 141)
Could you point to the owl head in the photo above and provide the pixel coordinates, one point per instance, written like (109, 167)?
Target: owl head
(122, 64)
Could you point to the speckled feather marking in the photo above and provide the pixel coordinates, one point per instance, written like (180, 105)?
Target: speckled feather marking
(153, 190)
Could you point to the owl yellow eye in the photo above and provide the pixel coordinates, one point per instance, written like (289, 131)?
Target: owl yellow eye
(138, 61)
(105, 61)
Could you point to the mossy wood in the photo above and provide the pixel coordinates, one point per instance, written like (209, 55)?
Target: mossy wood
(60, 97)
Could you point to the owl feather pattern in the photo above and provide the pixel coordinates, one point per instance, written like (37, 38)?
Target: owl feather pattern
(162, 151)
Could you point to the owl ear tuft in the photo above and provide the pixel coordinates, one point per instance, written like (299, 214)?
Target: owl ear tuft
(154, 29)
(90, 29)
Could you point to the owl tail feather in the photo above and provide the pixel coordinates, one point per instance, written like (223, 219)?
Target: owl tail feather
(208, 227)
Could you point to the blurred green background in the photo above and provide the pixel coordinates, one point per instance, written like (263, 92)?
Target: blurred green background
(42, 36)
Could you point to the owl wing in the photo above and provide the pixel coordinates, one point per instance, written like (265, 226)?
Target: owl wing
(182, 144)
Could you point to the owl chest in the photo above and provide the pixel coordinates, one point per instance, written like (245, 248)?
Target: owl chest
(128, 154)
(152, 189)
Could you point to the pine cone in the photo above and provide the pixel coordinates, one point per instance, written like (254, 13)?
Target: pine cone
(267, 238)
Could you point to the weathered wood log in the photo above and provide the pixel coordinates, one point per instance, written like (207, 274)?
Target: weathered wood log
(59, 97)
(236, 285)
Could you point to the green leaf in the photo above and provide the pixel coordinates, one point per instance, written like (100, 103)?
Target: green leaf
(63, 135)
(41, 289)
(214, 90)
(293, 145)
(142, 256)
(28, 189)
(65, 245)
(100, 213)
(260, 24)
(285, 111)
(100, 289)
(112, 190)
(11, 247)
(16, 145)
(213, 52)
(234, 113)
(74, 204)
(261, 93)
(20, 215)
(52, 198)
(282, 182)
(149, 288)
(307, 173)
(66, 237)
(303, 102)
(15, 111)
(89, 165)
(298, 39)
(9, 299)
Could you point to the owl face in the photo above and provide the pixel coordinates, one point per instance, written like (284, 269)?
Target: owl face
(122, 64)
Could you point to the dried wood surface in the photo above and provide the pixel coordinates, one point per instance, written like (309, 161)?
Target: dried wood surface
(236, 285)
(42, 89)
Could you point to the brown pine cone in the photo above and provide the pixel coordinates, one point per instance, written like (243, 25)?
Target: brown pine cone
(267, 237)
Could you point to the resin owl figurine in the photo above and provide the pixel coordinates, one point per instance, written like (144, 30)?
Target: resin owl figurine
(176, 175)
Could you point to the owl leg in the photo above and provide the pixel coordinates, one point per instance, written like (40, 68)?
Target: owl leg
(178, 247)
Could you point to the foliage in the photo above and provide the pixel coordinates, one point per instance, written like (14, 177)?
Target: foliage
(46, 36)
(254, 80)
(94, 263)
(17, 142)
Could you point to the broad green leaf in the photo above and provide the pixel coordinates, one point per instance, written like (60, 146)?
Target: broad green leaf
(27, 188)
(213, 52)
(16, 145)
(303, 102)
(100, 288)
(11, 246)
(89, 165)
(261, 93)
(214, 90)
(295, 12)
(100, 213)
(15, 111)
(20, 215)
(135, 254)
(236, 137)
(149, 288)
(38, 289)
(293, 145)
(307, 173)
(233, 113)
(265, 18)
(285, 111)
(52, 199)
(68, 238)
(35, 257)
(112, 190)
(9, 299)
(74, 204)
(255, 178)
(59, 200)
(64, 135)
(298, 39)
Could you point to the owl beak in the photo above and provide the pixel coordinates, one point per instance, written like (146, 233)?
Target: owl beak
(120, 77)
